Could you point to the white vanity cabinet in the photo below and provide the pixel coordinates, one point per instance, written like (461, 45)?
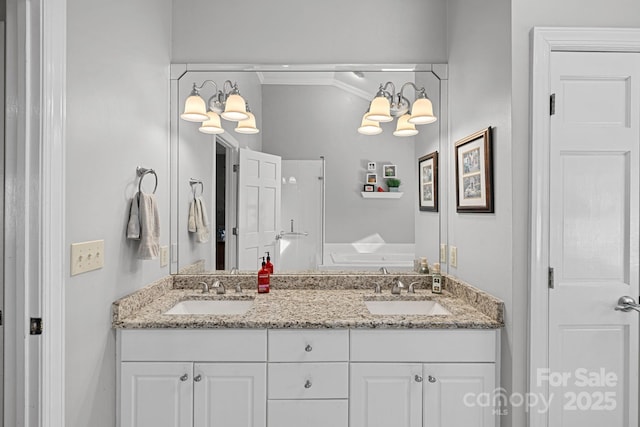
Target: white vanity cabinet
(192, 378)
(423, 378)
(307, 377)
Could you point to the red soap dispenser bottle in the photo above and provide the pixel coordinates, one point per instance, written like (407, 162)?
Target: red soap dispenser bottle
(269, 265)
(263, 278)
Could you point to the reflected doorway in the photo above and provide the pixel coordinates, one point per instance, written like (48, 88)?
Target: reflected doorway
(221, 205)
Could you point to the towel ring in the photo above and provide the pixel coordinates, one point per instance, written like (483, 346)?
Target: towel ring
(141, 173)
(193, 182)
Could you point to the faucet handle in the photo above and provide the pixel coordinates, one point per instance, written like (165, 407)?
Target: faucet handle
(238, 289)
(205, 287)
(220, 289)
(377, 289)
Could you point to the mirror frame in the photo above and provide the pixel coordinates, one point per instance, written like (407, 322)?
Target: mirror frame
(439, 70)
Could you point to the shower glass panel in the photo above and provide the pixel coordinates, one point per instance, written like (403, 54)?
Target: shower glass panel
(301, 237)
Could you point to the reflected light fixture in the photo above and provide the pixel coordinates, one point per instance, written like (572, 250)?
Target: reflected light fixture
(387, 105)
(226, 103)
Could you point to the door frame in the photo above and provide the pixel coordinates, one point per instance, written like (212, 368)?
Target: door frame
(544, 41)
(34, 256)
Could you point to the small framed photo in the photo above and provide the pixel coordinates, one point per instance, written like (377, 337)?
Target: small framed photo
(371, 178)
(369, 188)
(371, 166)
(390, 171)
(428, 182)
(474, 173)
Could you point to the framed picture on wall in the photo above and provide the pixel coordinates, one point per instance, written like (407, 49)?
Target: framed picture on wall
(369, 188)
(371, 166)
(428, 182)
(371, 178)
(474, 173)
(390, 171)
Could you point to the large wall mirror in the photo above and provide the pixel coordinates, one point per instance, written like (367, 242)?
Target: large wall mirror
(296, 187)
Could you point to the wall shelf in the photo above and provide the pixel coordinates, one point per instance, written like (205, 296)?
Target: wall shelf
(381, 195)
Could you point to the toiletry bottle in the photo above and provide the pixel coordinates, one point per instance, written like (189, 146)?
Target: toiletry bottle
(436, 279)
(263, 278)
(424, 266)
(269, 265)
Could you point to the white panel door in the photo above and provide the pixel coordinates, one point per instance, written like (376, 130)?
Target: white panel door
(454, 395)
(156, 394)
(595, 134)
(385, 395)
(259, 204)
(230, 395)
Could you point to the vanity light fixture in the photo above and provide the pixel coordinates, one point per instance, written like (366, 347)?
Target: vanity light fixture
(388, 105)
(226, 102)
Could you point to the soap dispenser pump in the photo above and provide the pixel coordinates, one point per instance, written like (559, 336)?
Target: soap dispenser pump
(263, 279)
(269, 264)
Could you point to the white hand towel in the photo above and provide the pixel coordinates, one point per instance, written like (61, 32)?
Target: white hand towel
(191, 223)
(202, 221)
(149, 227)
(133, 226)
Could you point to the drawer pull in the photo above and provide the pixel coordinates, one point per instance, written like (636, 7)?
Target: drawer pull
(418, 378)
(432, 379)
(308, 348)
(184, 377)
(197, 378)
(307, 384)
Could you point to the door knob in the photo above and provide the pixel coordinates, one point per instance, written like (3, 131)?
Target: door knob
(627, 303)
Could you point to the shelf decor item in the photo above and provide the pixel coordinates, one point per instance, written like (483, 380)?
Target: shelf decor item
(371, 178)
(474, 173)
(371, 166)
(369, 188)
(393, 184)
(428, 182)
(390, 171)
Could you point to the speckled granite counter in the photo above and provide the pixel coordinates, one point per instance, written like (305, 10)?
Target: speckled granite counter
(308, 302)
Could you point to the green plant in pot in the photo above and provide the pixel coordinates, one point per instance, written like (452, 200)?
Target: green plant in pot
(393, 184)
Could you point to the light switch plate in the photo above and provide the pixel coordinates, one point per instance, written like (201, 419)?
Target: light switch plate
(87, 256)
(443, 253)
(164, 256)
(453, 256)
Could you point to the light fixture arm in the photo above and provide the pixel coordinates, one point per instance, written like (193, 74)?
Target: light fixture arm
(197, 88)
(420, 91)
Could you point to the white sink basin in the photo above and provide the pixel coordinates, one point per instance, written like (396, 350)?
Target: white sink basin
(220, 307)
(424, 308)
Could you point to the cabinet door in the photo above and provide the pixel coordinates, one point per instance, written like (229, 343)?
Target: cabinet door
(155, 394)
(385, 394)
(230, 395)
(459, 394)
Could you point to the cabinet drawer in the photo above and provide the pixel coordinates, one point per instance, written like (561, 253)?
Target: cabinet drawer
(308, 380)
(308, 345)
(308, 413)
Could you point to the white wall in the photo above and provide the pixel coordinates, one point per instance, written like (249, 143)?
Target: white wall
(479, 57)
(117, 118)
(290, 31)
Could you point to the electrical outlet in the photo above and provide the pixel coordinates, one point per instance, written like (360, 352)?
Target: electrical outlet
(443, 253)
(87, 256)
(164, 256)
(453, 256)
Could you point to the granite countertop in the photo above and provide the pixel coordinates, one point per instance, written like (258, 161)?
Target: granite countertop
(306, 307)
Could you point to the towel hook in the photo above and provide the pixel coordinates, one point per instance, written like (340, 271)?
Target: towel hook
(141, 172)
(193, 182)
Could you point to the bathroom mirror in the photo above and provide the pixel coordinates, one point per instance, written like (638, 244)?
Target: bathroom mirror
(308, 117)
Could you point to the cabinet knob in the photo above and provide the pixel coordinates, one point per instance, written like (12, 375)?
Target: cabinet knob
(432, 379)
(307, 384)
(418, 378)
(308, 348)
(197, 378)
(184, 377)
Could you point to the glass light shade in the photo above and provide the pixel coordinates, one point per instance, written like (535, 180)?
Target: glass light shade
(369, 127)
(379, 110)
(404, 128)
(235, 109)
(422, 112)
(195, 109)
(247, 126)
(211, 126)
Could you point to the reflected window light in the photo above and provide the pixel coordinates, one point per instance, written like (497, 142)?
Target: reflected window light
(292, 180)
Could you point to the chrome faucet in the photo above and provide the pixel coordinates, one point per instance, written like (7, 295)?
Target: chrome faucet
(220, 289)
(411, 289)
(205, 287)
(233, 271)
(397, 287)
(377, 289)
(383, 270)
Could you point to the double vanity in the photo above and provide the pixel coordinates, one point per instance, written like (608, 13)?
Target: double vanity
(317, 351)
